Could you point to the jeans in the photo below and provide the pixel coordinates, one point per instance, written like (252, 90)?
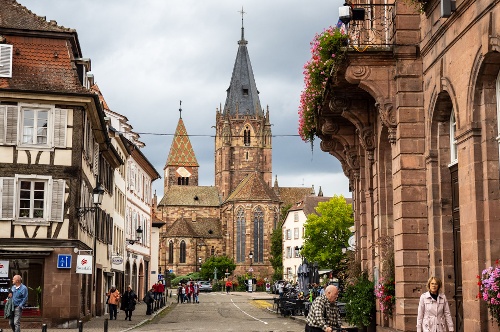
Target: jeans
(113, 309)
(15, 320)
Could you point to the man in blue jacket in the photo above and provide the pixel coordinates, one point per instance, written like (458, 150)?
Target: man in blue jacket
(19, 298)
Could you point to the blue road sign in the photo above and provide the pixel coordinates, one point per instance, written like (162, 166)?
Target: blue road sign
(63, 261)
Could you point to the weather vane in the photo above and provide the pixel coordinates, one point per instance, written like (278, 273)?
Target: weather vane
(180, 109)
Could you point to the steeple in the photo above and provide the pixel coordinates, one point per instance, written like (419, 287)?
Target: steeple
(242, 94)
(181, 167)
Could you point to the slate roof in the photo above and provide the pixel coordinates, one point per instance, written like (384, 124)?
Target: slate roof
(242, 94)
(39, 64)
(181, 151)
(308, 204)
(202, 227)
(253, 188)
(186, 196)
(292, 195)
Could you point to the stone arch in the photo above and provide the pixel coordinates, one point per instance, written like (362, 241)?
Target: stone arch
(141, 278)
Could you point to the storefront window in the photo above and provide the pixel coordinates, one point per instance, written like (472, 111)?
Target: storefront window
(31, 270)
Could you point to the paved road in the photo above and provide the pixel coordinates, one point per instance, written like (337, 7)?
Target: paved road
(240, 312)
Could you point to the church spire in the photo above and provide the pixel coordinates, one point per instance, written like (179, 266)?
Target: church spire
(242, 95)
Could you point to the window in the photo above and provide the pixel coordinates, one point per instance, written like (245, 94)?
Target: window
(240, 235)
(182, 181)
(246, 136)
(296, 233)
(182, 256)
(170, 252)
(288, 234)
(6, 60)
(296, 216)
(258, 235)
(35, 123)
(36, 198)
(453, 141)
(288, 253)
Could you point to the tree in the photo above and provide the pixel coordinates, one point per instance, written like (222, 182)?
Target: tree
(327, 232)
(222, 263)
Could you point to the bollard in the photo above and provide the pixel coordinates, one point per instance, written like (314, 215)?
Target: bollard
(44, 327)
(106, 325)
(80, 326)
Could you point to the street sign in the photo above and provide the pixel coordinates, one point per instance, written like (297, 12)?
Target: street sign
(63, 261)
(160, 277)
(84, 264)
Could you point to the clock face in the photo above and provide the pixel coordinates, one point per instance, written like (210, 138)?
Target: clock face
(183, 172)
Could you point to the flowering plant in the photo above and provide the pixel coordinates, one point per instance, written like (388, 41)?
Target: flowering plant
(327, 52)
(385, 292)
(489, 289)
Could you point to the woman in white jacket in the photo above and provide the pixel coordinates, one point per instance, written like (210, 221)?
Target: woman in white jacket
(433, 309)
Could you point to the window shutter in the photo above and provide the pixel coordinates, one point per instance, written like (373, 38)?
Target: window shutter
(11, 128)
(7, 198)
(6, 61)
(3, 123)
(96, 159)
(60, 118)
(57, 206)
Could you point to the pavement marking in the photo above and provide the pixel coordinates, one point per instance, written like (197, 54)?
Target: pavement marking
(248, 313)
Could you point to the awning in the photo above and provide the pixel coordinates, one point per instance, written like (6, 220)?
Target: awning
(25, 251)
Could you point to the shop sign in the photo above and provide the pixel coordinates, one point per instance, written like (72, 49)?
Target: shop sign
(4, 269)
(117, 260)
(84, 264)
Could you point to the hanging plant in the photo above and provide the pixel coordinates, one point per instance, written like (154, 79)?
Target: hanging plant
(489, 290)
(327, 53)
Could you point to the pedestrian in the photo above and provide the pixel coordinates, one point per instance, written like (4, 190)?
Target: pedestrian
(229, 285)
(19, 298)
(8, 309)
(161, 290)
(112, 301)
(129, 300)
(149, 299)
(433, 309)
(196, 292)
(183, 292)
(280, 289)
(324, 313)
(180, 297)
(191, 291)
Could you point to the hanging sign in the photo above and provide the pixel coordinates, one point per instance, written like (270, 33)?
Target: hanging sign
(84, 264)
(4, 269)
(117, 260)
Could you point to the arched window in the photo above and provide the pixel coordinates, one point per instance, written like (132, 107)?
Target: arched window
(453, 141)
(182, 254)
(182, 181)
(246, 136)
(240, 235)
(171, 252)
(258, 235)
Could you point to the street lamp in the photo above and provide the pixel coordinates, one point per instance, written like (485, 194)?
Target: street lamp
(250, 255)
(199, 263)
(97, 196)
(138, 236)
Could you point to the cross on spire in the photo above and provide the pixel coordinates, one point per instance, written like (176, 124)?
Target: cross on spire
(180, 109)
(242, 28)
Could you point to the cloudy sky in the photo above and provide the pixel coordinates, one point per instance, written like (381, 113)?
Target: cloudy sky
(149, 54)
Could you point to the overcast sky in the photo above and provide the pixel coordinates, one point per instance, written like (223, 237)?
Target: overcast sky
(149, 54)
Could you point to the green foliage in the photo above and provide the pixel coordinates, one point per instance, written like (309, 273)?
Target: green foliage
(184, 278)
(276, 254)
(222, 263)
(360, 301)
(327, 233)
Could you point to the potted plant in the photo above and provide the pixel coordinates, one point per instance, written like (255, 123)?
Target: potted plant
(360, 302)
(489, 290)
(327, 53)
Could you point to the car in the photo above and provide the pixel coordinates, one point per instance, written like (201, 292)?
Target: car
(205, 286)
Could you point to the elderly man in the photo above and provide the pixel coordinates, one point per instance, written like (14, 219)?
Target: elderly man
(19, 298)
(324, 313)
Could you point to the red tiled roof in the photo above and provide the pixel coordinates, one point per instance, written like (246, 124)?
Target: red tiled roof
(181, 151)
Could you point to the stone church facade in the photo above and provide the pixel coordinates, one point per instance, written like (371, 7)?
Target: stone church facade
(237, 216)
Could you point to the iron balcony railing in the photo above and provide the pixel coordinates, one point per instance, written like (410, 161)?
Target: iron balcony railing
(376, 29)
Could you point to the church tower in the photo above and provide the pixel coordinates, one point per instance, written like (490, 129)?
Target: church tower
(243, 130)
(181, 167)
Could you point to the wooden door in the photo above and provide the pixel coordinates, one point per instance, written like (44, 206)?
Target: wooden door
(459, 309)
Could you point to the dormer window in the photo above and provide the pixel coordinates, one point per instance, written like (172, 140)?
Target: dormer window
(5, 60)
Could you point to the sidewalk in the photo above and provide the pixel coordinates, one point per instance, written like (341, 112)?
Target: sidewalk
(139, 317)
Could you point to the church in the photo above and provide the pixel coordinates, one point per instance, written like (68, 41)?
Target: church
(237, 216)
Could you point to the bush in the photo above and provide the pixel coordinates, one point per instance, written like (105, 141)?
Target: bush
(360, 301)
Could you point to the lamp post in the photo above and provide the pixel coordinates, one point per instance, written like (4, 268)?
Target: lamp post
(199, 263)
(97, 196)
(250, 270)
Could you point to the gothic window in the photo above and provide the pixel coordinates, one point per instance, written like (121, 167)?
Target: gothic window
(182, 254)
(246, 136)
(171, 252)
(453, 141)
(258, 235)
(240, 235)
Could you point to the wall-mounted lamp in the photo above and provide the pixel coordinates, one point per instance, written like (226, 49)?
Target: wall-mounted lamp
(138, 236)
(348, 13)
(97, 195)
(250, 255)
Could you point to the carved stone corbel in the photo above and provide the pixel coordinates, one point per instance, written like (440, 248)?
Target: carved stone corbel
(338, 105)
(388, 118)
(330, 127)
(367, 141)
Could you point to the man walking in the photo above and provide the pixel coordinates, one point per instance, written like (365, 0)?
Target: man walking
(19, 298)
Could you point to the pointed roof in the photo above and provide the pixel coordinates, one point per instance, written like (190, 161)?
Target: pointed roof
(181, 151)
(207, 228)
(242, 94)
(253, 188)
